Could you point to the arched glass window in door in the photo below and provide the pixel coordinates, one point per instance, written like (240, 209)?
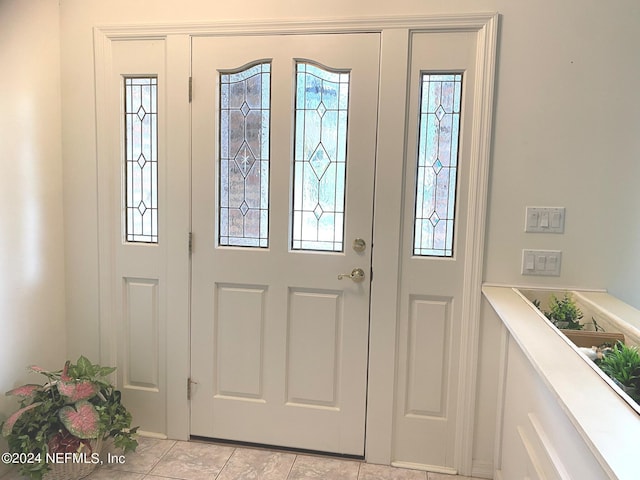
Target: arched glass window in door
(320, 157)
(245, 102)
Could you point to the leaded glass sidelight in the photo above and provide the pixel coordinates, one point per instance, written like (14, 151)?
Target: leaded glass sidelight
(322, 100)
(141, 158)
(244, 156)
(437, 164)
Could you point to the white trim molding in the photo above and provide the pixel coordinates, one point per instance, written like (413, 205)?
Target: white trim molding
(396, 31)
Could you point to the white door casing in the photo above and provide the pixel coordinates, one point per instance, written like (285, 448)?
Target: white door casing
(278, 343)
(386, 301)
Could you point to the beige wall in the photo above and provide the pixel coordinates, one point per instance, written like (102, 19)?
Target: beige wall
(32, 324)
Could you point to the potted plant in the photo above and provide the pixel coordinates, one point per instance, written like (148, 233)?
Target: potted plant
(564, 313)
(622, 364)
(60, 427)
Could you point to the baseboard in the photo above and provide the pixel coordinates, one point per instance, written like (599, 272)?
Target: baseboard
(482, 469)
(426, 468)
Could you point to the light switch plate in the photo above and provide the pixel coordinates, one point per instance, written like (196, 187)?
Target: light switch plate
(544, 220)
(541, 262)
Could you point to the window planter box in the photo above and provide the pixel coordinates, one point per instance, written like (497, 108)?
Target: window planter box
(619, 321)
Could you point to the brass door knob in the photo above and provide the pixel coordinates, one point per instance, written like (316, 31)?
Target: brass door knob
(357, 275)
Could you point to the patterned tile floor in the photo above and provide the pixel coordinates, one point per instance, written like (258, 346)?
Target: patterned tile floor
(168, 459)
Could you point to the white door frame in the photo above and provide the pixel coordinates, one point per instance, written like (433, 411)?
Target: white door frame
(396, 32)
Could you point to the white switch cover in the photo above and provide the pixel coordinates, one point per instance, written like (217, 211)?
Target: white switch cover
(544, 220)
(541, 262)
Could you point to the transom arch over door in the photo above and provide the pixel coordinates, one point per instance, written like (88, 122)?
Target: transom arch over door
(166, 311)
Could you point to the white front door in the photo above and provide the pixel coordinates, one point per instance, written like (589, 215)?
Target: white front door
(284, 141)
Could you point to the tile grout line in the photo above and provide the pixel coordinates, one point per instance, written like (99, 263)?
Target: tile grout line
(295, 459)
(175, 442)
(233, 452)
(155, 464)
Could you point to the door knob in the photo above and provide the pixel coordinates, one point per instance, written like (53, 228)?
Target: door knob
(357, 275)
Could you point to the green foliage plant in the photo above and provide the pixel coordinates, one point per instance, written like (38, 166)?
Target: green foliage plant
(564, 313)
(622, 363)
(73, 407)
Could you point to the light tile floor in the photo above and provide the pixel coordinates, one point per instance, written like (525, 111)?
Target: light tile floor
(168, 459)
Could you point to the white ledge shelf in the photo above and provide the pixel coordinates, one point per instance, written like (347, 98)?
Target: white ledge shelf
(606, 423)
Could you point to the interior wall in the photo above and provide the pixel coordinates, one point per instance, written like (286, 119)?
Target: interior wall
(32, 313)
(565, 134)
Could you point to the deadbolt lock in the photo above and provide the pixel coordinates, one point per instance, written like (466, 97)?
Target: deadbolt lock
(359, 245)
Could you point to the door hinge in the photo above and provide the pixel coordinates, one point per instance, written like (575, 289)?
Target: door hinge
(190, 243)
(190, 382)
(190, 89)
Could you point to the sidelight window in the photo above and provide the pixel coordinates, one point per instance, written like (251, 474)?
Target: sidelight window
(438, 142)
(141, 158)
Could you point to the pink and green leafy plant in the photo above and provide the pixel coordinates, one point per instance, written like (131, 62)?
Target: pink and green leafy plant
(77, 405)
(81, 419)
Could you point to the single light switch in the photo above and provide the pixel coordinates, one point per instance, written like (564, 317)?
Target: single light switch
(529, 261)
(544, 219)
(541, 260)
(555, 220)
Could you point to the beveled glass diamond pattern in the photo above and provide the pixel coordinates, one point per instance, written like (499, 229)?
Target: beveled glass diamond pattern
(245, 159)
(320, 161)
(321, 109)
(245, 109)
(244, 208)
(440, 113)
(141, 160)
(434, 219)
(318, 211)
(437, 166)
(142, 208)
(141, 113)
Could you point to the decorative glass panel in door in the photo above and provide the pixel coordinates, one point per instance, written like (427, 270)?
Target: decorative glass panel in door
(141, 158)
(437, 164)
(244, 156)
(322, 101)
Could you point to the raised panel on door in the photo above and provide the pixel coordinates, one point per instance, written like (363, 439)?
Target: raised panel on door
(279, 343)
